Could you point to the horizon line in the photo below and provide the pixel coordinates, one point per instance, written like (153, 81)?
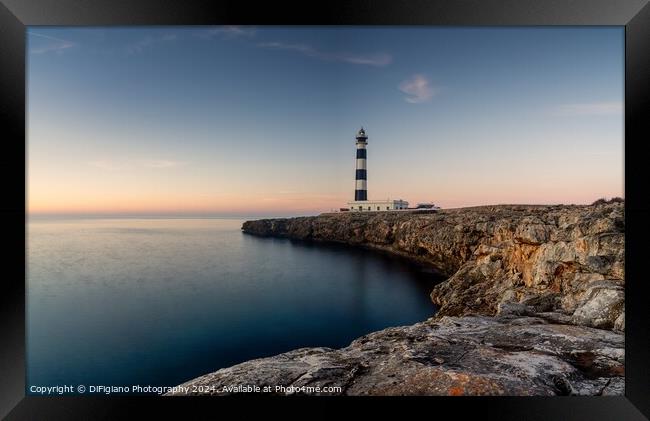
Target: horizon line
(210, 215)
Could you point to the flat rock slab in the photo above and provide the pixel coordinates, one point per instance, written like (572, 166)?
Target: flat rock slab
(471, 355)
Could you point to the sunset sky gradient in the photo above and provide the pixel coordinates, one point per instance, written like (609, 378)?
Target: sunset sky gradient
(261, 121)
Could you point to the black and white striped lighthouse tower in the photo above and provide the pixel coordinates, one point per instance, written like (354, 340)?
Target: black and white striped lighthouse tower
(361, 179)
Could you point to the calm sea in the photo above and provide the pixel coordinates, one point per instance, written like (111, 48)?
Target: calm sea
(161, 301)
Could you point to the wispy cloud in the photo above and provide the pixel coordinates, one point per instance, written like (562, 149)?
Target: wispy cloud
(418, 89)
(227, 32)
(379, 59)
(590, 108)
(52, 44)
(161, 163)
(149, 41)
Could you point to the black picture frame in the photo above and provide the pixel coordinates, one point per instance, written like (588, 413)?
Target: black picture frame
(15, 15)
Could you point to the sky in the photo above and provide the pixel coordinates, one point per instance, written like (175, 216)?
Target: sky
(228, 120)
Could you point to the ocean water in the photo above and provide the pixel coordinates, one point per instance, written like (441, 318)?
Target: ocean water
(160, 301)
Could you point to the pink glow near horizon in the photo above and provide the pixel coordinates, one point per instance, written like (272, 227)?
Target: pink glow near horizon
(264, 122)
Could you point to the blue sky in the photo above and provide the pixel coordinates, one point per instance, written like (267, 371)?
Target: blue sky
(223, 120)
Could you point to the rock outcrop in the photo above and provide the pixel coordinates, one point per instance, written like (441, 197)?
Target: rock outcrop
(566, 262)
(504, 355)
(533, 305)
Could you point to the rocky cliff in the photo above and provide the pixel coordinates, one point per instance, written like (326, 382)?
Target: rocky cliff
(533, 305)
(564, 263)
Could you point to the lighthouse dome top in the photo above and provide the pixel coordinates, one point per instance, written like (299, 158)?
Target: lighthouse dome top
(361, 133)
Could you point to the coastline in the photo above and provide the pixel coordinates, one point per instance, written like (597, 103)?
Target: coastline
(533, 305)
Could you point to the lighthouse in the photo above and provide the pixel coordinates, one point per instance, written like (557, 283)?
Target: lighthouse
(361, 178)
(361, 202)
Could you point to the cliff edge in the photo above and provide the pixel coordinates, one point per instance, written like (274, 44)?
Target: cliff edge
(563, 262)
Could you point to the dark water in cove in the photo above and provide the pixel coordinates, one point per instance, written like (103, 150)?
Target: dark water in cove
(160, 301)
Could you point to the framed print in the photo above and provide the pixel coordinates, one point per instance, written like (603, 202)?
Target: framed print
(389, 204)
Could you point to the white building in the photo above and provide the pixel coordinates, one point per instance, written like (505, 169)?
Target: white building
(377, 205)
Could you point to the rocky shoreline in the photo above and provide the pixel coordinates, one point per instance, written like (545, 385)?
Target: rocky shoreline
(533, 305)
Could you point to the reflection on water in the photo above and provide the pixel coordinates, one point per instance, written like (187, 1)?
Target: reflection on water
(160, 301)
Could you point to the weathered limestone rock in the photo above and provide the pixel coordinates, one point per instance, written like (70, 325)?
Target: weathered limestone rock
(619, 323)
(602, 308)
(507, 355)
